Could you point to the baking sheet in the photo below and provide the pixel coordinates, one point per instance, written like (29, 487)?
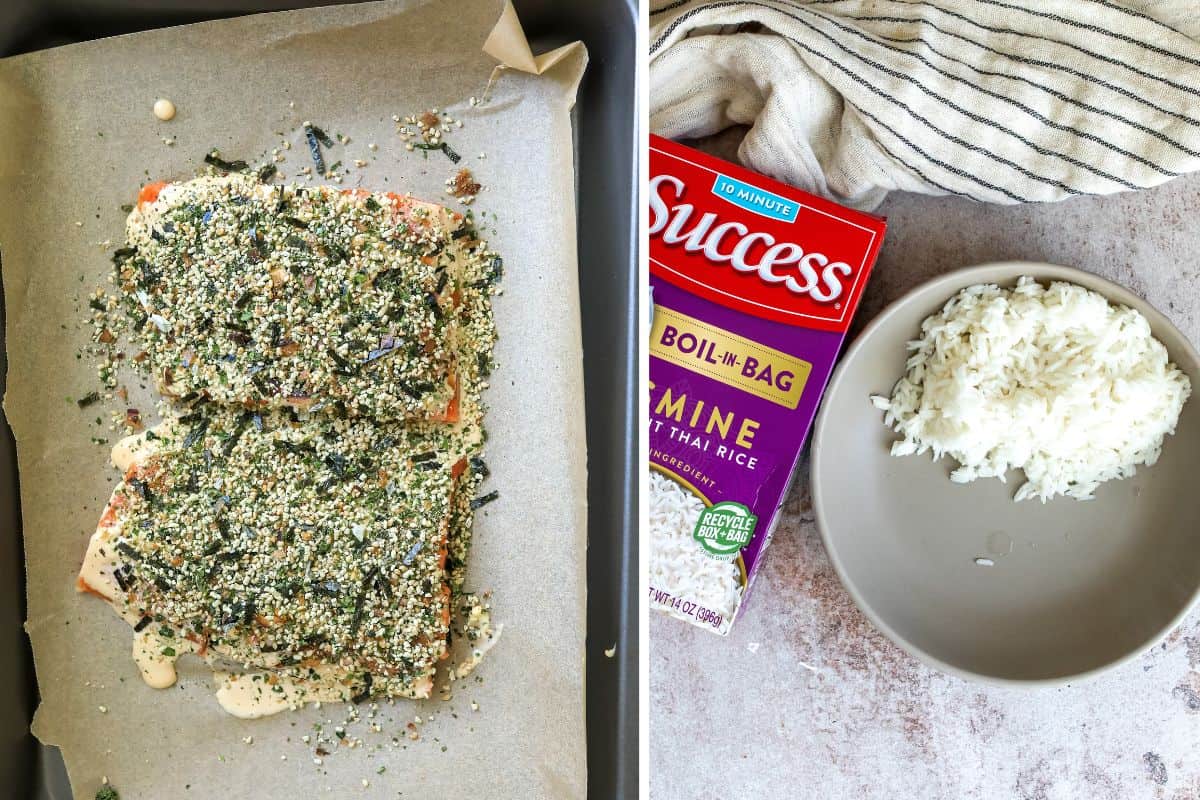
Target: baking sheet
(80, 139)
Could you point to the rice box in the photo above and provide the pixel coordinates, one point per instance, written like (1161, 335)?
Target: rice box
(754, 284)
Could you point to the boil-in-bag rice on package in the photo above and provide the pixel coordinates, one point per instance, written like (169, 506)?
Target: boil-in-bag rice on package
(753, 285)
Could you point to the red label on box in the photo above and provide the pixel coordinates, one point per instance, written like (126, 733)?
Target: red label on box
(756, 245)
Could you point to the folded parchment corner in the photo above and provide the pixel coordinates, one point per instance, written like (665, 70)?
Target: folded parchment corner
(508, 45)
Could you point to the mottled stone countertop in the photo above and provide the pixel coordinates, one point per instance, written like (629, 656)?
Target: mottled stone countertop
(806, 700)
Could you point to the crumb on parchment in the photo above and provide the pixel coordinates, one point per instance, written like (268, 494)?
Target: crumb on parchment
(463, 186)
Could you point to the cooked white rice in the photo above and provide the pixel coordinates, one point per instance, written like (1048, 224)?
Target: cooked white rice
(1053, 381)
(677, 563)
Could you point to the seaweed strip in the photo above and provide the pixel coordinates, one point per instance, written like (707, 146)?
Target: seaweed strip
(196, 433)
(365, 693)
(226, 166)
(321, 135)
(480, 502)
(337, 464)
(142, 489)
(495, 273)
(361, 600)
(434, 306)
(409, 390)
(344, 366)
(356, 622)
(381, 352)
(122, 579)
(314, 148)
(238, 430)
(445, 148)
(123, 254)
(295, 448)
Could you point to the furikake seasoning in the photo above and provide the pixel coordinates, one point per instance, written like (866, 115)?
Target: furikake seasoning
(310, 297)
(293, 544)
(308, 504)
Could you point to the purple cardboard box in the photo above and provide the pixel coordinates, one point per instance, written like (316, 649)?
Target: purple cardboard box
(754, 285)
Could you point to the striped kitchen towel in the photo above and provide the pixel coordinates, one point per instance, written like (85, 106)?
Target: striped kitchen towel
(1005, 101)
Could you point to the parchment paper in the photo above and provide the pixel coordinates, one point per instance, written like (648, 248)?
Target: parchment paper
(78, 139)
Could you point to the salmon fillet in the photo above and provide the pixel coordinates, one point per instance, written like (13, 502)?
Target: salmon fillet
(284, 546)
(311, 297)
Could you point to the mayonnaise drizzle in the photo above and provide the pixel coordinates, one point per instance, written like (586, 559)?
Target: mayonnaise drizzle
(250, 695)
(135, 449)
(158, 668)
(478, 627)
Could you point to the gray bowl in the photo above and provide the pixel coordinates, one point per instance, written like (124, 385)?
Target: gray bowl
(1074, 587)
